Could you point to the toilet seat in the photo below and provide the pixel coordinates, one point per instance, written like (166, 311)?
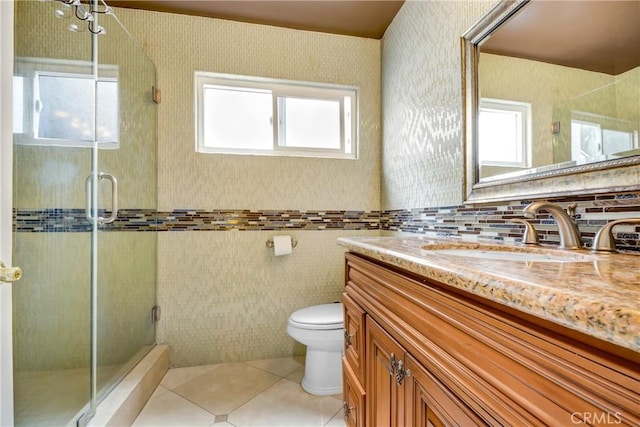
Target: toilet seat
(318, 317)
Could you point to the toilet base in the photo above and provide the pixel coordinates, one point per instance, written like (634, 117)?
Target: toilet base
(322, 372)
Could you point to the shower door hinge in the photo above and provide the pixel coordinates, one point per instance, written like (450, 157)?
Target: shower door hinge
(155, 94)
(155, 314)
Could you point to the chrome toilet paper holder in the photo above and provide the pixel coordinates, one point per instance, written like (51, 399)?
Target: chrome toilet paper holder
(269, 243)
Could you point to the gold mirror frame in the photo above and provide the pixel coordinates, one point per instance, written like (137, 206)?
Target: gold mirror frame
(617, 175)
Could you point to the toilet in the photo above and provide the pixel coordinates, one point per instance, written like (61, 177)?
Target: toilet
(321, 329)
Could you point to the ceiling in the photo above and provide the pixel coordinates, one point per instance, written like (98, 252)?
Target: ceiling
(602, 36)
(361, 18)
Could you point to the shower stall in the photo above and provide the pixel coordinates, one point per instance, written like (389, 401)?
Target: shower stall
(84, 208)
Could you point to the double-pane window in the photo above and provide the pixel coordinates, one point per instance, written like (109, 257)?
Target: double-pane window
(243, 115)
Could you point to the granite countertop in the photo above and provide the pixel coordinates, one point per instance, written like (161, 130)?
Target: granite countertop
(599, 295)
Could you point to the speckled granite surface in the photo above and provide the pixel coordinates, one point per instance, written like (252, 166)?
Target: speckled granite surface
(595, 294)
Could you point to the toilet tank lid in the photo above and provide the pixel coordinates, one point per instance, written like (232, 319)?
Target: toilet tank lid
(323, 314)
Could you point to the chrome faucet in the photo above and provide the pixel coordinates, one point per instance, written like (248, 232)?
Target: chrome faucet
(529, 235)
(604, 241)
(567, 228)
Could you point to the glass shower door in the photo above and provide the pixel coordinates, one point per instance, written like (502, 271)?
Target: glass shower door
(126, 246)
(53, 107)
(85, 207)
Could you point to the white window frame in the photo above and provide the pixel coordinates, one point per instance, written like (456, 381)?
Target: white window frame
(279, 89)
(30, 69)
(523, 145)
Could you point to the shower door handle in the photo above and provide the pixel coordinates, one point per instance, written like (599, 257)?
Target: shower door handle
(114, 198)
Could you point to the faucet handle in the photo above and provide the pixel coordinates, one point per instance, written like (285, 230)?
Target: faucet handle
(604, 240)
(530, 235)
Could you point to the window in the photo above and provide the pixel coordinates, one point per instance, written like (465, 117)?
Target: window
(596, 137)
(504, 133)
(246, 115)
(54, 104)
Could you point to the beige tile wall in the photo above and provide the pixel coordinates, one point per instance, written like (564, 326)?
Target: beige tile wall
(628, 93)
(180, 45)
(422, 158)
(224, 296)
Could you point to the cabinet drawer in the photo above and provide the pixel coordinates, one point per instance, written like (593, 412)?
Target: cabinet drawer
(354, 336)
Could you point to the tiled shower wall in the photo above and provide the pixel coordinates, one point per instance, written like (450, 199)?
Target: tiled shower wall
(224, 295)
(52, 242)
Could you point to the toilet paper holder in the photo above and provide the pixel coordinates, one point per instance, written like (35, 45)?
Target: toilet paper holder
(269, 243)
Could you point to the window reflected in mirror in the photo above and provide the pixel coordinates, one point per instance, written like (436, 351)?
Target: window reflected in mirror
(504, 137)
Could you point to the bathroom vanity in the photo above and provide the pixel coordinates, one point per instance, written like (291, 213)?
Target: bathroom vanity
(438, 337)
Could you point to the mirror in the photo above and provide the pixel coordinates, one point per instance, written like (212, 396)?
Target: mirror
(551, 99)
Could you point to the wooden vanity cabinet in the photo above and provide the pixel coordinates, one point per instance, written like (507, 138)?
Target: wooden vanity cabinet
(426, 355)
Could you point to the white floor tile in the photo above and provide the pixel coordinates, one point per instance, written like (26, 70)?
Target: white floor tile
(159, 391)
(177, 376)
(169, 409)
(258, 393)
(286, 404)
(280, 367)
(225, 388)
(337, 420)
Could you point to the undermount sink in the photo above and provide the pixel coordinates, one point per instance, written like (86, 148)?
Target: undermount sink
(499, 252)
(515, 256)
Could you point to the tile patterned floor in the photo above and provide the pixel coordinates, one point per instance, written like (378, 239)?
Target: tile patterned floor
(253, 394)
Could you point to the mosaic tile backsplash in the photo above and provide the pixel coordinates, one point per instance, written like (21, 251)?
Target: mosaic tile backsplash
(494, 221)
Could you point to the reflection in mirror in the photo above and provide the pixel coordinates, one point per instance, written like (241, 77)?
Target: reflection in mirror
(551, 88)
(543, 103)
(576, 65)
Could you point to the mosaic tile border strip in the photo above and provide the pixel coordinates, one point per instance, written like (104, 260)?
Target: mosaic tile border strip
(493, 222)
(485, 222)
(75, 220)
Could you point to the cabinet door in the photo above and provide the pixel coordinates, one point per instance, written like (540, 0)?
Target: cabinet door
(354, 397)
(354, 336)
(428, 403)
(384, 397)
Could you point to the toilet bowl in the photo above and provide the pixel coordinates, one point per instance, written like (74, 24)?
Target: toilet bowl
(321, 329)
